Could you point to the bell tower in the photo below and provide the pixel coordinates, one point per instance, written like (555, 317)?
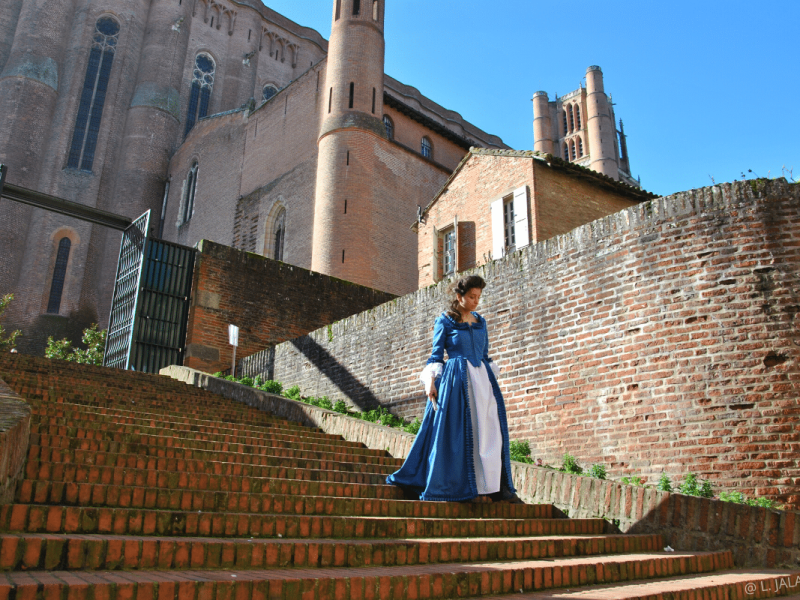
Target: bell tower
(351, 125)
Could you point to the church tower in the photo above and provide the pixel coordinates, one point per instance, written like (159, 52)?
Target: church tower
(345, 239)
(600, 124)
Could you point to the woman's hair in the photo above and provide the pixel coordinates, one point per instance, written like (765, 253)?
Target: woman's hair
(461, 287)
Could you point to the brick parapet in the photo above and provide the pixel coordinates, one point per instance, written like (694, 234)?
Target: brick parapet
(15, 429)
(660, 338)
(758, 537)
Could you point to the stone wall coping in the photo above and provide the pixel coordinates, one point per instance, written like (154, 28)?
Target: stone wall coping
(758, 537)
(15, 431)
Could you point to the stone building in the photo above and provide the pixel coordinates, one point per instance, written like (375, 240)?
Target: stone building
(500, 201)
(228, 122)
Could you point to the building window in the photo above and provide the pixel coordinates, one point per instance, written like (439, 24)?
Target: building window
(427, 148)
(189, 193)
(564, 117)
(578, 115)
(356, 7)
(572, 149)
(338, 9)
(279, 235)
(508, 223)
(374, 10)
(566, 151)
(449, 251)
(387, 122)
(352, 93)
(580, 147)
(268, 92)
(572, 118)
(93, 95)
(59, 275)
(202, 84)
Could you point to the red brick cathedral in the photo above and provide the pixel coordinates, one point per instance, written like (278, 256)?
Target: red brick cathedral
(228, 122)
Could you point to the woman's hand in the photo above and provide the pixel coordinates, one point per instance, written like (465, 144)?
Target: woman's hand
(432, 397)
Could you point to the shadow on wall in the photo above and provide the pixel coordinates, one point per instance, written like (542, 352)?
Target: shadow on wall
(34, 334)
(358, 393)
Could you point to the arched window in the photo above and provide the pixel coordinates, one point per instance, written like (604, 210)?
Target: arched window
(59, 275)
(269, 91)
(572, 149)
(202, 84)
(387, 122)
(580, 147)
(564, 116)
(190, 189)
(93, 95)
(356, 7)
(374, 10)
(427, 148)
(278, 235)
(578, 115)
(571, 119)
(566, 151)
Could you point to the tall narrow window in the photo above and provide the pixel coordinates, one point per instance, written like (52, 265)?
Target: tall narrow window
(352, 93)
(189, 193)
(356, 7)
(59, 275)
(93, 96)
(338, 9)
(571, 118)
(373, 101)
(279, 235)
(202, 84)
(564, 117)
(330, 100)
(508, 224)
(566, 151)
(427, 148)
(374, 10)
(449, 254)
(580, 147)
(387, 122)
(578, 115)
(572, 149)
(268, 92)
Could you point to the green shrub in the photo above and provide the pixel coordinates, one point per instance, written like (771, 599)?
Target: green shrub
(272, 387)
(664, 484)
(597, 471)
(412, 427)
(340, 406)
(692, 486)
(740, 498)
(7, 343)
(520, 451)
(248, 381)
(633, 480)
(293, 393)
(93, 338)
(217, 374)
(325, 402)
(569, 464)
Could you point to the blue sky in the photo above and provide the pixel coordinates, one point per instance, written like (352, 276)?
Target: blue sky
(706, 89)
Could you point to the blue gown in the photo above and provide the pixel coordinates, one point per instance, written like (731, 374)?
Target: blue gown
(440, 465)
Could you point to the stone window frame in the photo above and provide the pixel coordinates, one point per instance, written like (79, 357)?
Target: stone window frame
(264, 87)
(189, 195)
(81, 152)
(388, 123)
(64, 265)
(426, 147)
(521, 225)
(200, 89)
(276, 225)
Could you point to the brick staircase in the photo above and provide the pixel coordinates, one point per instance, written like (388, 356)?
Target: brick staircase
(140, 487)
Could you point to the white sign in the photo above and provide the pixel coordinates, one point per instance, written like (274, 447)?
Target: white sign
(233, 335)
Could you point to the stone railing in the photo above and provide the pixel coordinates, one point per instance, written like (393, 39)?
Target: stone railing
(758, 537)
(15, 433)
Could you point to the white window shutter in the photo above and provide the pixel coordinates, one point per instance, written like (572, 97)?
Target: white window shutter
(455, 244)
(521, 229)
(498, 231)
(435, 260)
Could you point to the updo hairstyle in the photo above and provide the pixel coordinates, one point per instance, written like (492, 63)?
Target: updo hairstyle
(462, 286)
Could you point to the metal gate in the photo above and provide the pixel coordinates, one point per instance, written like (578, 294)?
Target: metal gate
(147, 328)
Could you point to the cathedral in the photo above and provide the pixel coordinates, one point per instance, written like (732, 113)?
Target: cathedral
(230, 122)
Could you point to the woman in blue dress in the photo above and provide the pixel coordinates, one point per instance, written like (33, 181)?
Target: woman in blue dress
(461, 451)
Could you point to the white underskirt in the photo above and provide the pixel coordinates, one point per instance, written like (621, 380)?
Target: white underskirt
(487, 439)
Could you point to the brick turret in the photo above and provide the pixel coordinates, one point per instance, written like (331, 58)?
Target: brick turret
(542, 124)
(352, 110)
(600, 124)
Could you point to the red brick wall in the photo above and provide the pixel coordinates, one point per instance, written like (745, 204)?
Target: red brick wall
(268, 300)
(661, 338)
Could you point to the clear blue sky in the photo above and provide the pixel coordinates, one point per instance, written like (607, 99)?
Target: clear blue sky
(706, 89)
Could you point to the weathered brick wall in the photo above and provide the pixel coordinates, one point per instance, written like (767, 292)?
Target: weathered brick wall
(15, 430)
(661, 338)
(269, 301)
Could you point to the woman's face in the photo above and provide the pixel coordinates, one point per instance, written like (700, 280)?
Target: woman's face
(469, 301)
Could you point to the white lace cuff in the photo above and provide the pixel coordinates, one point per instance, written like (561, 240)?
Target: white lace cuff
(495, 369)
(429, 374)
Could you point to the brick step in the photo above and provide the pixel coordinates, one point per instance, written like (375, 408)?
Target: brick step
(112, 496)
(442, 580)
(34, 518)
(118, 415)
(96, 552)
(161, 445)
(75, 426)
(199, 460)
(229, 413)
(729, 585)
(149, 467)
